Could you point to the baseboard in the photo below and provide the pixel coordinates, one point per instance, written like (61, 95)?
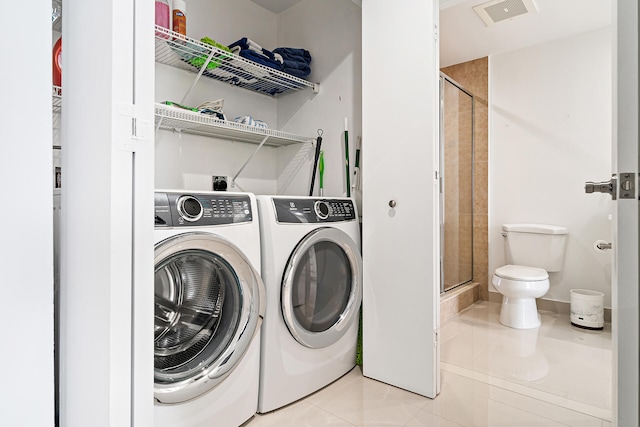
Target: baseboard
(560, 307)
(495, 297)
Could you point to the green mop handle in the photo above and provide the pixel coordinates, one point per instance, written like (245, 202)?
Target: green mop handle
(346, 155)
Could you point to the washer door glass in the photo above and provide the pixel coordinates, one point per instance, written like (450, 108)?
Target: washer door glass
(321, 287)
(206, 312)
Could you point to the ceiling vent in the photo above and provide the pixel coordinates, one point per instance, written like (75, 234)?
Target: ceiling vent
(503, 10)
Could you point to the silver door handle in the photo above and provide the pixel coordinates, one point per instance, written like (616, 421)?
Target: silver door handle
(609, 187)
(621, 186)
(392, 203)
(603, 245)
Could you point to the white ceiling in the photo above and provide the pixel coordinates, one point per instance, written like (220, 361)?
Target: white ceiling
(276, 6)
(463, 35)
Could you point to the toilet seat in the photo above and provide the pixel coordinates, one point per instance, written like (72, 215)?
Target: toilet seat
(522, 273)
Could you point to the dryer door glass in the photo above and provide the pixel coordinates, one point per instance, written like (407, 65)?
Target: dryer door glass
(206, 310)
(322, 289)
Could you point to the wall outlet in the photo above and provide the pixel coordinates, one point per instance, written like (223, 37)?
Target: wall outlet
(219, 182)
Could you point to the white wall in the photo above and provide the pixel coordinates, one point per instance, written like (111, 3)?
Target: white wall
(27, 257)
(330, 31)
(550, 131)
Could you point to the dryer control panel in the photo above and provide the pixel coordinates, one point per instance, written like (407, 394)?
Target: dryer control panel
(201, 209)
(310, 210)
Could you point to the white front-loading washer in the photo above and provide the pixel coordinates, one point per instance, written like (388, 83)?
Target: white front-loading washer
(312, 271)
(209, 305)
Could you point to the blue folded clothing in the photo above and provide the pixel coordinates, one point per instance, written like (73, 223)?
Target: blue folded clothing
(260, 59)
(268, 54)
(293, 61)
(245, 43)
(294, 54)
(296, 61)
(254, 52)
(297, 69)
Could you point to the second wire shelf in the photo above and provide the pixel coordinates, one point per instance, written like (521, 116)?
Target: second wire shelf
(180, 120)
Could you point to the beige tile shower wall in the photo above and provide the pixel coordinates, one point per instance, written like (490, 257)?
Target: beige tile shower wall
(465, 217)
(474, 77)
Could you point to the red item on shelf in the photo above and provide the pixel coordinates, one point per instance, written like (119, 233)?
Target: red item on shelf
(57, 63)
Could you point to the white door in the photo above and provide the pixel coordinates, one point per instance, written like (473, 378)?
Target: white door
(106, 264)
(400, 194)
(27, 256)
(625, 245)
(626, 278)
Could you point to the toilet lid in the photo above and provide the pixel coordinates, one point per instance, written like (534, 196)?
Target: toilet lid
(520, 272)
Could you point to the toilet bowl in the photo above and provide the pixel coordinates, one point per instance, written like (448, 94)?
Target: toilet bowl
(532, 251)
(520, 286)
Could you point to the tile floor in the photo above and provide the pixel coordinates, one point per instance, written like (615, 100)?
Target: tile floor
(556, 375)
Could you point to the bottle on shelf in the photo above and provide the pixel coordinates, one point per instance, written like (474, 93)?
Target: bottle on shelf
(179, 16)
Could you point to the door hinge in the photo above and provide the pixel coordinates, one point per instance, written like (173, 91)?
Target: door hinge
(138, 128)
(436, 337)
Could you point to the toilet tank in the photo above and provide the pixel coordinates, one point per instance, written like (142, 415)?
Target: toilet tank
(535, 245)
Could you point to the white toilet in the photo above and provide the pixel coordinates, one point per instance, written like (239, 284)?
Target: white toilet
(531, 250)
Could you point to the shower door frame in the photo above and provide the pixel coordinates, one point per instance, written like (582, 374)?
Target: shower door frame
(442, 176)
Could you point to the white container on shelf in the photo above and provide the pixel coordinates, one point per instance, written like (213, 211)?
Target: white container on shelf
(587, 308)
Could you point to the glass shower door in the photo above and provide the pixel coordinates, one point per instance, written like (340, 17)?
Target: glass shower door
(456, 185)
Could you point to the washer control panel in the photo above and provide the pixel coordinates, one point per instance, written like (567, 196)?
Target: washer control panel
(201, 209)
(310, 210)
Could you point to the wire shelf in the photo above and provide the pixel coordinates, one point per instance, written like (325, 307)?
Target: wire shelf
(183, 52)
(57, 99)
(181, 120)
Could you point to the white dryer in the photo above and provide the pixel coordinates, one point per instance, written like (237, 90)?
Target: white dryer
(209, 305)
(312, 270)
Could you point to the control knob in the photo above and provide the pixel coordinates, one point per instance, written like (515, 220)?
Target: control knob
(322, 209)
(189, 208)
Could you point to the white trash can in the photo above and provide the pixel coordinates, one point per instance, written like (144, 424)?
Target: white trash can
(587, 308)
